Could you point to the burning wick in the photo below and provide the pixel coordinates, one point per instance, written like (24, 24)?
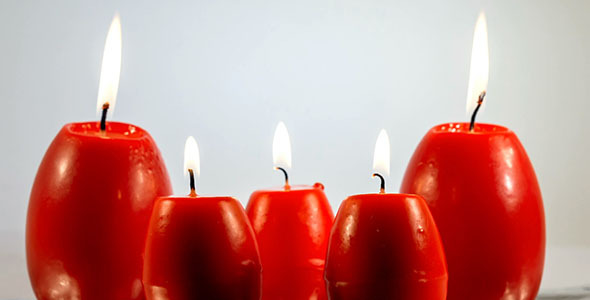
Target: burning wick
(286, 176)
(192, 183)
(479, 102)
(103, 118)
(382, 188)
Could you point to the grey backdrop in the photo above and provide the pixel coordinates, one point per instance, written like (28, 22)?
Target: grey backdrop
(335, 71)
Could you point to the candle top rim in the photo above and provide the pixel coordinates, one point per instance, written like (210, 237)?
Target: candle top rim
(195, 198)
(114, 130)
(396, 195)
(295, 187)
(463, 128)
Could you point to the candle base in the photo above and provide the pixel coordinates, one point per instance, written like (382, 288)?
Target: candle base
(432, 289)
(295, 284)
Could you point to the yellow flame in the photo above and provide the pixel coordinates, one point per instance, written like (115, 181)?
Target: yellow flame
(111, 67)
(382, 156)
(480, 64)
(192, 160)
(281, 147)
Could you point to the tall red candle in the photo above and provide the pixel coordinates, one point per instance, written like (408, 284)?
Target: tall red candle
(484, 196)
(292, 225)
(200, 247)
(90, 205)
(483, 193)
(89, 210)
(385, 246)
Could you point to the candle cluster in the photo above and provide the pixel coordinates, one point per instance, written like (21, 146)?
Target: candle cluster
(469, 223)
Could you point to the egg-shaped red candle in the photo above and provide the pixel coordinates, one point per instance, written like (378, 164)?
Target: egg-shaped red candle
(90, 204)
(200, 247)
(483, 193)
(292, 224)
(484, 196)
(385, 246)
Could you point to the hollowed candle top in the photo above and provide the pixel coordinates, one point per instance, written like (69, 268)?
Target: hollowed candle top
(114, 130)
(463, 127)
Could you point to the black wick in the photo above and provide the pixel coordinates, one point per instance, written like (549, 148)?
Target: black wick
(479, 102)
(103, 118)
(192, 182)
(382, 189)
(285, 173)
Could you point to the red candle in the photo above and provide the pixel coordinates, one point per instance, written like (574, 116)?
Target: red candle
(91, 201)
(200, 247)
(385, 246)
(292, 225)
(483, 194)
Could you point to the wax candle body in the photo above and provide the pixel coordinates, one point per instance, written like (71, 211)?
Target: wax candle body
(385, 246)
(89, 210)
(201, 248)
(292, 227)
(483, 194)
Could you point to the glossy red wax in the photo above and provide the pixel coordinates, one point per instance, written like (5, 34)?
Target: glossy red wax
(201, 248)
(89, 210)
(483, 193)
(385, 246)
(292, 226)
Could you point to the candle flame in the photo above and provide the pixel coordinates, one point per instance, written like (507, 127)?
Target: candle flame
(480, 64)
(281, 147)
(191, 157)
(111, 68)
(382, 156)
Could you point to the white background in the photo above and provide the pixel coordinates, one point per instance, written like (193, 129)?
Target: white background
(335, 71)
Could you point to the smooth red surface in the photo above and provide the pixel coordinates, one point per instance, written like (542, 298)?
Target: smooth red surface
(385, 246)
(483, 193)
(292, 227)
(89, 210)
(201, 248)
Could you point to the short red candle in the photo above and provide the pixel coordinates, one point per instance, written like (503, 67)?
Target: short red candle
(292, 226)
(89, 210)
(483, 194)
(200, 247)
(385, 246)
